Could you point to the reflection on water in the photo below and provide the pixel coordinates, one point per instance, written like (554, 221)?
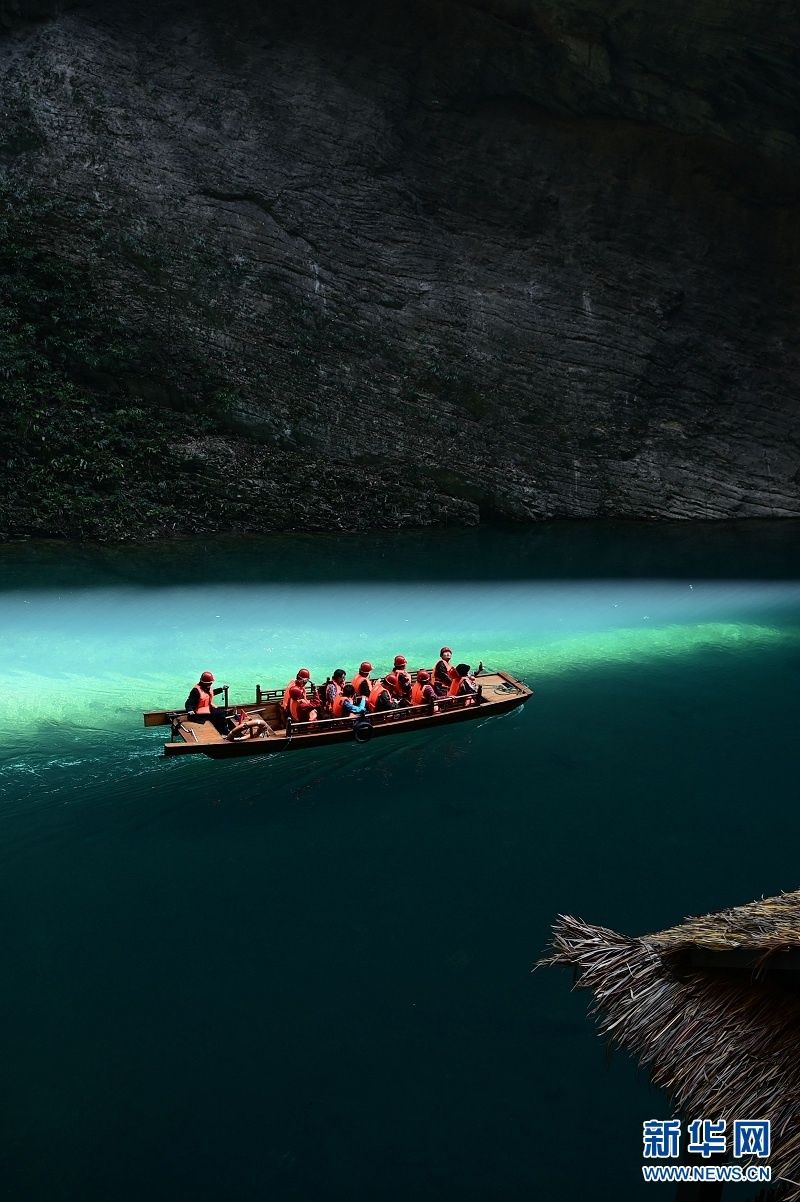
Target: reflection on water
(307, 976)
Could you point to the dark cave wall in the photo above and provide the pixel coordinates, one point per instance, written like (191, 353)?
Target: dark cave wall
(496, 260)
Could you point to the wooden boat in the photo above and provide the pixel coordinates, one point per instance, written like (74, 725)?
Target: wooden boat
(497, 693)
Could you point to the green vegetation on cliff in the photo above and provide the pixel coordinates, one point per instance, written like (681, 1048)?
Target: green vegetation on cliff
(86, 438)
(358, 267)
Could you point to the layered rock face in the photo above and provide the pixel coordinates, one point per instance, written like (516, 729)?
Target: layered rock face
(434, 262)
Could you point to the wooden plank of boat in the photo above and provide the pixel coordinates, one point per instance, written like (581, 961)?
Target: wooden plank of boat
(499, 692)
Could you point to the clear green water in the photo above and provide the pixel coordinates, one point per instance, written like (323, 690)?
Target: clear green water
(308, 977)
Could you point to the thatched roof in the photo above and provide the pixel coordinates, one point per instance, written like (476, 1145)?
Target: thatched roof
(770, 924)
(700, 1007)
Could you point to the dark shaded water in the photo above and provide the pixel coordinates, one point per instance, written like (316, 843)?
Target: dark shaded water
(309, 977)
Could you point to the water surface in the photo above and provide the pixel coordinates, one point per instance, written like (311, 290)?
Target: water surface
(308, 976)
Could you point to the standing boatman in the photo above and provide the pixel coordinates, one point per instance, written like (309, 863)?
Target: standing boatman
(200, 703)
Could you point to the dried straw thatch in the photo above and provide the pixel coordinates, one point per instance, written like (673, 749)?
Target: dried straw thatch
(723, 1041)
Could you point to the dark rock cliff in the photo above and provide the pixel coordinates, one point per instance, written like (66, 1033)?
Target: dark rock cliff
(397, 265)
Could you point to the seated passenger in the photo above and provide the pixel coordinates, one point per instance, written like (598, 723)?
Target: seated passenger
(380, 698)
(443, 672)
(333, 690)
(361, 682)
(346, 705)
(463, 684)
(392, 682)
(200, 704)
(302, 678)
(423, 690)
(300, 708)
(403, 679)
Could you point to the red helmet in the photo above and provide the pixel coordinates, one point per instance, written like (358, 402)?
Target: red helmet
(206, 677)
(442, 650)
(303, 674)
(422, 675)
(295, 692)
(400, 661)
(391, 680)
(365, 668)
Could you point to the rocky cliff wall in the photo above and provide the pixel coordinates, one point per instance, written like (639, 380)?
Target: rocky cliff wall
(493, 259)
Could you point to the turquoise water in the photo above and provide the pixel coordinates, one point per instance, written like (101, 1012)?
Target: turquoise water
(308, 976)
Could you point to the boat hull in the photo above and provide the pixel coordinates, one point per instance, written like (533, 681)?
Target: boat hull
(222, 751)
(499, 693)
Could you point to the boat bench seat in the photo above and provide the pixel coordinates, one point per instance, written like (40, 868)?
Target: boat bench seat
(205, 732)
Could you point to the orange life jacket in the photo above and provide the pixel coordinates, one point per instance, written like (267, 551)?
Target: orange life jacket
(337, 708)
(393, 685)
(455, 687)
(295, 712)
(417, 693)
(286, 698)
(206, 698)
(372, 700)
(336, 695)
(357, 682)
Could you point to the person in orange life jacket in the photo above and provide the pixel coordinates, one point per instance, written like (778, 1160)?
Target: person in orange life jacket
(380, 698)
(423, 690)
(393, 685)
(443, 672)
(464, 684)
(400, 674)
(334, 689)
(300, 708)
(361, 682)
(302, 678)
(200, 703)
(345, 705)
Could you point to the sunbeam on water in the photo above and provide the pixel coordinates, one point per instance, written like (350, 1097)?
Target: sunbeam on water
(275, 977)
(92, 658)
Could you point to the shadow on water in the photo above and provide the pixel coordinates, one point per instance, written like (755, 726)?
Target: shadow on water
(548, 550)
